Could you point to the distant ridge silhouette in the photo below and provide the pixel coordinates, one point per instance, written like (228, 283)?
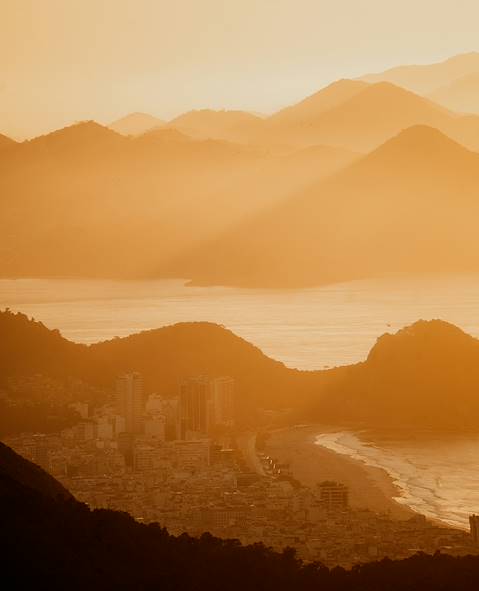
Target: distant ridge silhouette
(135, 124)
(406, 207)
(318, 103)
(115, 203)
(360, 117)
(427, 78)
(461, 95)
(6, 142)
(216, 124)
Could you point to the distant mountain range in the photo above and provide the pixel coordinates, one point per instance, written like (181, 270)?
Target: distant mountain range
(460, 95)
(223, 125)
(361, 116)
(228, 197)
(352, 114)
(407, 207)
(135, 124)
(318, 103)
(123, 206)
(427, 78)
(424, 376)
(452, 83)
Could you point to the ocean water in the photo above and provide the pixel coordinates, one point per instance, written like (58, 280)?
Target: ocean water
(435, 476)
(307, 328)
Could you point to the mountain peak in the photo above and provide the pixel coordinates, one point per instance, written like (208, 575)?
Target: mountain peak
(425, 78)
(213, 115)
(321, 101)
(423, 143)
(422, 134)
(77, 136)
(386, 90)
(135, 123)
(470, 57)
(435, 337)
(165, 135)
(6, 142)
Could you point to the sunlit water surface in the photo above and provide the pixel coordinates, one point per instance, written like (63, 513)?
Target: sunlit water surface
(307, 328)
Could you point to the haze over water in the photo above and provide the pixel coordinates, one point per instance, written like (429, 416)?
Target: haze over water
(307, 329)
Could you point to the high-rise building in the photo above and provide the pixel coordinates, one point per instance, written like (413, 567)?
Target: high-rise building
(333, 496)
(155, 426)
(205, 403)
(474, 527)
(223, 401)
(130, 402)
(194, 407)
(168, 407)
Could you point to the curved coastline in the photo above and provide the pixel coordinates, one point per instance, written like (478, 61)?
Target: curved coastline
(371, 487)
(378, 480)
(419, 487)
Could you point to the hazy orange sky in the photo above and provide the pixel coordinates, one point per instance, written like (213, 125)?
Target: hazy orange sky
(67, 60)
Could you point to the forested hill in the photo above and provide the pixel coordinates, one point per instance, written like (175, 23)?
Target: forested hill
(15, 468)
(163, 356)
(426, 375)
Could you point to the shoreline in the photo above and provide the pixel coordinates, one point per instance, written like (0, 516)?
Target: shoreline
(369, 487)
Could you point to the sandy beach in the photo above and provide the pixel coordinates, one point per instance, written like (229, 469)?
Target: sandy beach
(370, 487)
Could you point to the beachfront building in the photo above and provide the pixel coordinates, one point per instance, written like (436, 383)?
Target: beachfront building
(223, 401)
(204, 404)
(195, 394)
(333, 496)
(129, 401)
(474, 527)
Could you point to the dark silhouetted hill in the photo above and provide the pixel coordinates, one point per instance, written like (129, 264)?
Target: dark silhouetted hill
(23, 472)
(28, 347)
(426, 375)
(62, 544)
(164, 356)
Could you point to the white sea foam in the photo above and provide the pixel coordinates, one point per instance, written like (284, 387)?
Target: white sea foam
(436, 477)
